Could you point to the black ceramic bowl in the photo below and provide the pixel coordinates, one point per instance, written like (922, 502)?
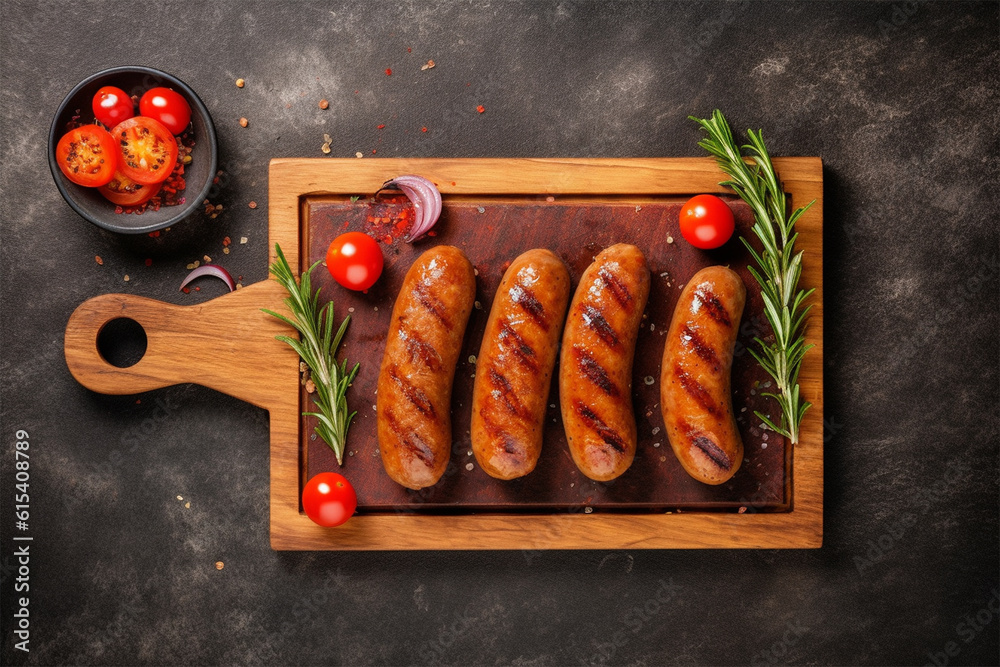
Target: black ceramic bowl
(198, 175)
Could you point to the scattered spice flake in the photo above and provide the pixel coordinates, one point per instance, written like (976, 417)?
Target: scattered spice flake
(240, 83)
(409, 50)
(226, 241)
(428, 65)
(126, 278)
(97, 258)
(423, 129)
(741, 510)
(327, 138)
(180, 497)
(323, 104)
(186, 290)
(149, 261)
(243, 240)
(359, 154)
(207, 258)
(381, 127)
(187, 505)
(225, 251)
(219, 565)
(239, 285)
(252, 204)
(244, 122)
(670, 239)
(325, 148)
(388, 71)
(480, 108)
(469, 466)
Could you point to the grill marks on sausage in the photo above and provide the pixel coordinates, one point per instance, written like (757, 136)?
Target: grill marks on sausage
(696, 390)
(617, 288)
(512, 342)
(503, 390)
(594, 319)
(593, 371)
(692, 339)
(413, 394)
(430, 302)
(526, 299)
(707, 446)
(410, 440)
(610, 436)
(419, 350)
(503, 440)
(713, 307)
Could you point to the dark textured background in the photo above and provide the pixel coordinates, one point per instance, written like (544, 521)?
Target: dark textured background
(899, 99)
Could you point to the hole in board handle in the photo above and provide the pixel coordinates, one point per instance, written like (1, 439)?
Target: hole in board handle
(122, 342)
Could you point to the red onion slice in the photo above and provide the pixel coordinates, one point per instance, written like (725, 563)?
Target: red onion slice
(210, 270)
(426, 200)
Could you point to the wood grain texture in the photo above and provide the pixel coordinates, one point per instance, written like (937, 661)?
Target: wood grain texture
(802, 527)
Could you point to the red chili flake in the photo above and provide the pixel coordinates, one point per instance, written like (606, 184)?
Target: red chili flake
(480, 108)
(345, 225)
(409, 50)
(197, 289)
(226, 241)
(432, 233)
(423, 129)
(373, 151)
(381, 127)
(187, 290)
(149, 261)
(388, 72)
(387, 239)
(154, 234)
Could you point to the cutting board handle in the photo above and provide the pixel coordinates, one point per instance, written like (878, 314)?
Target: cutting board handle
(227, 344)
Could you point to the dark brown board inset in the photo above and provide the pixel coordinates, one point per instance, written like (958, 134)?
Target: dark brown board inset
(493, 231)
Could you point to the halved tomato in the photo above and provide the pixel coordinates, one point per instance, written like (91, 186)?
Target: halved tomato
(87, 156)
(123, 191)
(148, 149)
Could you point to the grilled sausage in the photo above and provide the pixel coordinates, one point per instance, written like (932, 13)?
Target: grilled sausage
(695, 377)
(595, 367)
(414, 385)
(514, 367)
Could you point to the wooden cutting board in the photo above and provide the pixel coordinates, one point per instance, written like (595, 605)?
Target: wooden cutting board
(494, 209)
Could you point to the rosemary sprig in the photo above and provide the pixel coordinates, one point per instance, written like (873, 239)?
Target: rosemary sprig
(779, 265)
(317, 347)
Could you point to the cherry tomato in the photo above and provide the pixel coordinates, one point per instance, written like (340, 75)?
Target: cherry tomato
(87, 155)
(166, 106)
(329, 499)
(354, 260)
(123, 191)
(112, 106)
(707, 222)
(148, 149)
